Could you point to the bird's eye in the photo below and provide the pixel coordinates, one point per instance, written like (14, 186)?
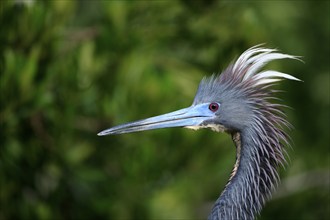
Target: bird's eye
(214, 106)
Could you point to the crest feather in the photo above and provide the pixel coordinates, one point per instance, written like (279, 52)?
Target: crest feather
(252, 60)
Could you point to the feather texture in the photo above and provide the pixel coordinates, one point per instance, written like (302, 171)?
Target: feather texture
(255, 58)
(256, 124)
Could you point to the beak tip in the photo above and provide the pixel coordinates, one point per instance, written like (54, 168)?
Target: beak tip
(102, 133)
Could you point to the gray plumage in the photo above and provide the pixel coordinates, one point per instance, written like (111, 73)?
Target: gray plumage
(240, 101)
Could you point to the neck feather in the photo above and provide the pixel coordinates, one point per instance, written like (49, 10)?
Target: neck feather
(253, 178)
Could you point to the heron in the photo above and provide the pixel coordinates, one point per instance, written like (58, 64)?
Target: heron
(242, 102)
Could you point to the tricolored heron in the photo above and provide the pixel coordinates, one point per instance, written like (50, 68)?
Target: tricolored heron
(240, 102)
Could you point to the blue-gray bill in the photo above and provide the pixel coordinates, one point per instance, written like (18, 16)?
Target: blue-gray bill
(191, 117)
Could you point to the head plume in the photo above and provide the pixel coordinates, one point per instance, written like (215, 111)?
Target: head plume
(245, 72)
(244, 75)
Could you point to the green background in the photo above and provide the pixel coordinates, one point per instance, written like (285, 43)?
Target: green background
(70, 69)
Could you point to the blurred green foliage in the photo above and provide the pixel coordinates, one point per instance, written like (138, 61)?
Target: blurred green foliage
(72, 68)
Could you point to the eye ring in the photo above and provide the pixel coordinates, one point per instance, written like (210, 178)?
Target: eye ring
(214, 107)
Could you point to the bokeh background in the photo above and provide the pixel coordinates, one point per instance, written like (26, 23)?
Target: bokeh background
(70, 69)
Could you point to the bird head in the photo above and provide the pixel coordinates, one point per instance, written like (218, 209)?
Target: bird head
(225, 102)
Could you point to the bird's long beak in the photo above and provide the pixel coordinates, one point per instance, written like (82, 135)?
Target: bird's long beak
(187, 117)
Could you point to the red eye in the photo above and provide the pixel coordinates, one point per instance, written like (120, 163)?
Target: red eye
(214, 106)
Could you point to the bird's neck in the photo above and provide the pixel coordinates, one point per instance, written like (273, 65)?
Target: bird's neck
(252, 180)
